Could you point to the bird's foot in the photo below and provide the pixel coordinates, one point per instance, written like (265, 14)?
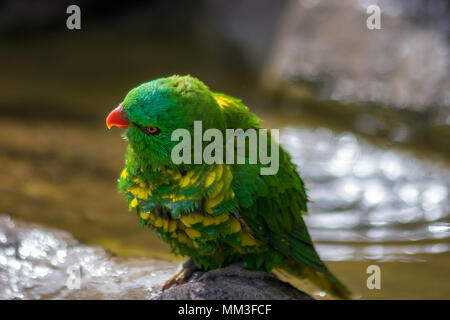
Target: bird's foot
(183, 275)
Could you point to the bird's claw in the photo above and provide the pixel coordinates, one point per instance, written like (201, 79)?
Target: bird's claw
(182, 276)
(177, 279)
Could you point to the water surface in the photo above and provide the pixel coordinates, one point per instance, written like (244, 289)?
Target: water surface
(371, 204)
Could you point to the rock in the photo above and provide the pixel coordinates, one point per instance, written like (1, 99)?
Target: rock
(327, 60)
(233, 283)
(42, 263)
(404, 64)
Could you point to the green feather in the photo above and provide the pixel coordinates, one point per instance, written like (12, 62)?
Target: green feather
(266, 208)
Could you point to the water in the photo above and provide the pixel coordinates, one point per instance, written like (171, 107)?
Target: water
(371, 204)
(40, 263)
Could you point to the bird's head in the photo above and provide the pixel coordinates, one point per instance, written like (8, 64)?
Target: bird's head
(153, 110)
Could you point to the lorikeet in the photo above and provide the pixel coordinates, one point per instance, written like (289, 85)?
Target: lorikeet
(216, 214)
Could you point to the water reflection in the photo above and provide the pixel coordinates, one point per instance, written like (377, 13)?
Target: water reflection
(35, 263)
(369, 202)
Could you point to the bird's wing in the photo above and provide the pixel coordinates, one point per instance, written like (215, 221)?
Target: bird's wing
(272, 205)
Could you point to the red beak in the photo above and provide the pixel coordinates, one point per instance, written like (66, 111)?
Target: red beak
(117, 118)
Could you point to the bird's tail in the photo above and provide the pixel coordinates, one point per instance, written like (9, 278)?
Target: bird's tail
(324, 279)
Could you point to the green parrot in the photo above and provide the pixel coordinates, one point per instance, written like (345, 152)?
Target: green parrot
(220, 213)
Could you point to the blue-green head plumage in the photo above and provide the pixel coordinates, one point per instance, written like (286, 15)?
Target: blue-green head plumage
(167, 104)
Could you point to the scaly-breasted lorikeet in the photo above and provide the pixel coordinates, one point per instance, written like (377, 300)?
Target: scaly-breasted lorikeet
(217, 214)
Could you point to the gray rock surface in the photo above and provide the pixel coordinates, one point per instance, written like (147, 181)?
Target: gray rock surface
(393, 82)
(42, 263)
(233, 283)
(405, 64)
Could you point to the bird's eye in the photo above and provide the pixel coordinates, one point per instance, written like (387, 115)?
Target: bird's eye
(122, 112)
(151, 130)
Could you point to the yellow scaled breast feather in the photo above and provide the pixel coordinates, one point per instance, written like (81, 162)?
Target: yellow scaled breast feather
(218, 179)
(222, 176)
(140, 190)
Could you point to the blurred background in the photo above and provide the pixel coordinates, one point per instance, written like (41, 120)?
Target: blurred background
(364, 113)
